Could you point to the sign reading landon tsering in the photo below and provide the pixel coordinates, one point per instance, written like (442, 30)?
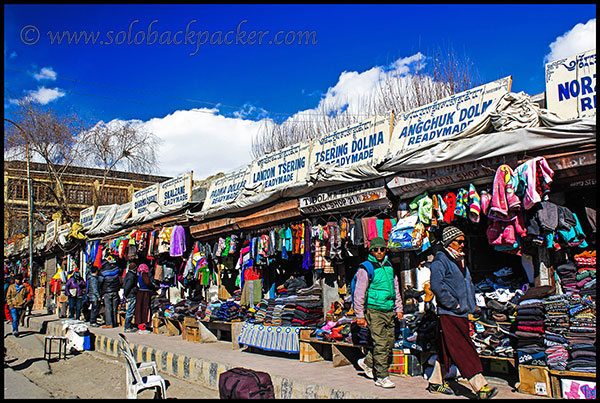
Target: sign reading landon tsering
(571, 86)
(225, 189)
(280, 168)
(445, 118)
(343, 198)
(142, 198)
(365, 142)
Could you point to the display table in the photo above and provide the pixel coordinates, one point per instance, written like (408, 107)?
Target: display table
(313, 349)
(271, 338)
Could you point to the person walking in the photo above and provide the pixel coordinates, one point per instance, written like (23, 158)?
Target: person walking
(144, 295)
(130, 289)
(377, 301)
(454, 292)
(109, 284)
(75, 288)
(28, 305)
(16, 298)
(93, 295)
(8, 281)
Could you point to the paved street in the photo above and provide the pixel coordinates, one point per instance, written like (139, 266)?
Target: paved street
(89, 375)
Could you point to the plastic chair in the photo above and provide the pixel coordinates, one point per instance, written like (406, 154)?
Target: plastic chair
(136, 382)
(142, 365)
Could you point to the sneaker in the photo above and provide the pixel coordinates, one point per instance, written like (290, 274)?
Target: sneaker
(486, 392)
(437, 388)
(385, 383)
(368, 371)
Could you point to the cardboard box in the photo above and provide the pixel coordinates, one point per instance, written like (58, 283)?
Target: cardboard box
(534, 380)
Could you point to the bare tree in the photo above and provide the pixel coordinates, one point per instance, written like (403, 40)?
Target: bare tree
(51, 138)
(119, 145)
(448, 74)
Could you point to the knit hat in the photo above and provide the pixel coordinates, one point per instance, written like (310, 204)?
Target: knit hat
(450, 233)
(475, 204)
(377, 242)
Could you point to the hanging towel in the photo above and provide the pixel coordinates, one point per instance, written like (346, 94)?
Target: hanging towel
(450, 200)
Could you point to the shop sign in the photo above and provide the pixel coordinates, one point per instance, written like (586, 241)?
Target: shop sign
(51, 229)
(280, 169)
(225, 189)
(10, 249)
(363, 143)
(571, 86)
(343, 198)
(583, 183)
(142, 198)
(176, 192)
(101, 213)
(86, 217)
(123, 213)
(446, 118)
(573, 161)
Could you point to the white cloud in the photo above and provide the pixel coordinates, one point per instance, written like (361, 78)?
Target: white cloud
(199, 140)
(46, 73)
(579, 39)
(43, 95)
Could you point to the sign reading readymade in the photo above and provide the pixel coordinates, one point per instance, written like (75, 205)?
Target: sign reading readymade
(175, 192)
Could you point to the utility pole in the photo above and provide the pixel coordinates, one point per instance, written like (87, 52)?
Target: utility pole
(29, 206)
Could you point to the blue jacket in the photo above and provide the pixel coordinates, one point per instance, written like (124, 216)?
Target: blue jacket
(450, 287)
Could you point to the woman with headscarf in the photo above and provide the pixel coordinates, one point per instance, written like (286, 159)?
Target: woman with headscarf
(75, 288)
(144, 295)
(454, 292)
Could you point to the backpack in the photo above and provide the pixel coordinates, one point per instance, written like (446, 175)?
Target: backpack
(368, 266)
(242, 383)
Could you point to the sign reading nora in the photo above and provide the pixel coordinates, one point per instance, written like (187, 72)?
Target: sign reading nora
(571, 86)
(226, 188)
(361, 143)
(280, 168)
(123, 212)
(86, 217)
(142, 198)
(445, 118)
(175, 192)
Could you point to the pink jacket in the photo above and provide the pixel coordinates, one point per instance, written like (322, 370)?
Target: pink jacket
(499, 203)
(527, 172)
(502, 232)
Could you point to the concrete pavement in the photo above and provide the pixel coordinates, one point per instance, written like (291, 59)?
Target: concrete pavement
(203, 363)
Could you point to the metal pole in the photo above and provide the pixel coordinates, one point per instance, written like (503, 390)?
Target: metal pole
(29, 204)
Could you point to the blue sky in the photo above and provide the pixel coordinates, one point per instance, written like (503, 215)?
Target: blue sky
(164, 86)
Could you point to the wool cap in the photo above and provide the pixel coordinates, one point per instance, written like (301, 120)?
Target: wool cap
(377, 242)
(450, 233)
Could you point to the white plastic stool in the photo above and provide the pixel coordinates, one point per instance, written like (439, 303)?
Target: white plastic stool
(62, 346)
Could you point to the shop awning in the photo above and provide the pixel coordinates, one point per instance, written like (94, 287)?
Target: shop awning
(280, 212)
(564, 161)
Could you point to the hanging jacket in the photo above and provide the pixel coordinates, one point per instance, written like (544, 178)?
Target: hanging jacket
(177, 247)
(526, 174)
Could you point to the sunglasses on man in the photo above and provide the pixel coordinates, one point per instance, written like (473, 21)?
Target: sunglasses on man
(379, 249)
(460, 241)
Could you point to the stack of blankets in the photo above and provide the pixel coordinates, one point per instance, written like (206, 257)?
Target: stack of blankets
(529, 332)
(586, 274)
(571, 333)
(308, 311)
(227, 312)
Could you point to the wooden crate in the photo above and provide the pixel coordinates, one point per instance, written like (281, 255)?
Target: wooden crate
(310, 352)
(192, 329)
(534, 380)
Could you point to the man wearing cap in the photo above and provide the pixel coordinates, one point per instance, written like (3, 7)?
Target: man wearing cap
(16, 298)
(454, 292)
(376, 302)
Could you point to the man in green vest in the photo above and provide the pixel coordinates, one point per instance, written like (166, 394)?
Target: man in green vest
(376, 302)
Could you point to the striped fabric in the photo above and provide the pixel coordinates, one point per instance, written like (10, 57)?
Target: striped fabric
(271, 338)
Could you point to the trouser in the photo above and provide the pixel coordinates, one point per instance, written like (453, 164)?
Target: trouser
(130, 312)
(15, 313)
(477, 381)
(94, 307)
(26, 310)
(382, 326)
(75, 307)
(111, 305)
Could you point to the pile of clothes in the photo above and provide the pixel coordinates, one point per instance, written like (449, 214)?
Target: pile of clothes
(229, 311)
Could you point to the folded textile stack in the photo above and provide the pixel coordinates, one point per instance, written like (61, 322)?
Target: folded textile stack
(261, 312)
(307, 313)
(314, 289)
(277, 312)
(581, 335)
(586, 273)
(269, 311)
(287, 315)
(227, 312)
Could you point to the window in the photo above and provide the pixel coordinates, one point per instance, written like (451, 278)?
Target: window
(17, 189)
(79, 194)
